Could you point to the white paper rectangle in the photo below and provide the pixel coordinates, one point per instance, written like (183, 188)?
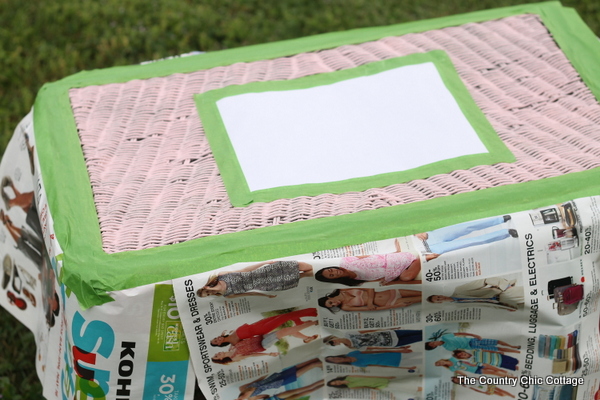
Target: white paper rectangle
(392, 121)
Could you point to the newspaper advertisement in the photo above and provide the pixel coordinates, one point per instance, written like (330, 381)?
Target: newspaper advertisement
(504, 306)
(123, 349)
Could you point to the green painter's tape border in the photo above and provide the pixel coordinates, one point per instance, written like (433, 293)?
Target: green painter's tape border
(233, 175)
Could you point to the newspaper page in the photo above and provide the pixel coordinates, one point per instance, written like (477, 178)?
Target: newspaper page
(131, 348)
(504, 306)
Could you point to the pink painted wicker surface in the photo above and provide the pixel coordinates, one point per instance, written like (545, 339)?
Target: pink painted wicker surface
(155, 181)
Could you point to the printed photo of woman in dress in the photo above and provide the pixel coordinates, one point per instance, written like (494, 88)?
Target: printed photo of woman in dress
(246, 348)
(392, 384)
(387, 269)
(278, 379)
(369, 299)
(393, 358)
(257, 346)
(271, 276)
(376, 340)
(264, 326)
(468, 341)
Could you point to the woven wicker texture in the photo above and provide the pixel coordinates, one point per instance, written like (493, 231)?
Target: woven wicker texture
(155, 181)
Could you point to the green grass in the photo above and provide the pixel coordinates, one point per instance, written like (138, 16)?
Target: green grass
(18, 379)
(43, 41)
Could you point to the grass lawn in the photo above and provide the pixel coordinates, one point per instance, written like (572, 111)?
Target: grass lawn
(43, 41)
